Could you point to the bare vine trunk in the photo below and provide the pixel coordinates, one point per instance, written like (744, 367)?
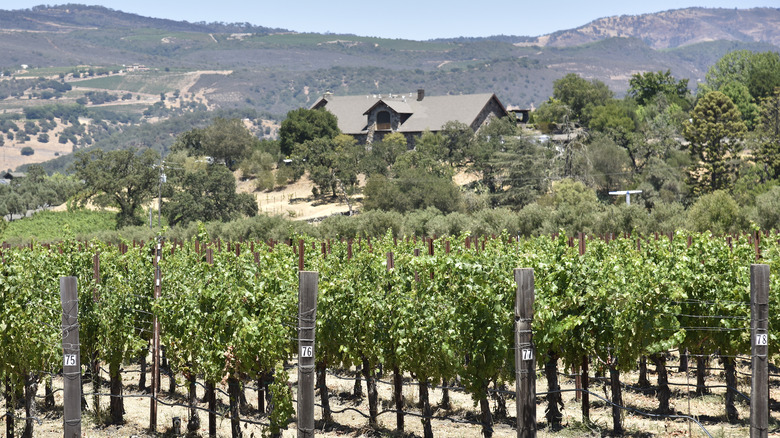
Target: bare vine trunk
(554, 399)
(486, 417)
(664, 394)
(683, 360)
(498, 395)
(322, 386)
(398, 397)
(617, 399)
(30, 409)
(194, 422)
(445, 395)
(357, 391)
(211, 398)
(171, 382)
(142, 379)
(117, 405)
(10, 404)
(48, 401)
(426, 409)
(731, 384)
(643, 380)
(234, 393)
(701, 374)
(585, 394)
(96, 383)
(373, 412)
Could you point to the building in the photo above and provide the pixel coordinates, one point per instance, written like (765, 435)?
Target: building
(370, 118)
(13, 175)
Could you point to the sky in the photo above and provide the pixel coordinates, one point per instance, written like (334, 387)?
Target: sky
(405, 19)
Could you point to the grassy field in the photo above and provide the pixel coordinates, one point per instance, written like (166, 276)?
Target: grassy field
(46, 226)
(143, 82)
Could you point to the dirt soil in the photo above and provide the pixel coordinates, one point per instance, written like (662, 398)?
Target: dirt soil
(296, 201)
(709, 410)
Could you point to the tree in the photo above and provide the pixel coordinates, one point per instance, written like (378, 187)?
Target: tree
(333, 164)
(768, 132)
(121, 178)
(522, 173)
(417, 180)
(579, 93)
(716, 212)
(304, 124)
(767, 214)
(644, 87)
(207, 195)
(225, 140)
(740, 95)
(382, 154)
(714, 133)
(606, 164)
(490, 140)
(551, 114)
(764, 74)
(458, 138)
(575, 206)
(412, 190)
(732, 67)
(616, 118)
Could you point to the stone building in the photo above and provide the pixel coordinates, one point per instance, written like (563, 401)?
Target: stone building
(369, 118)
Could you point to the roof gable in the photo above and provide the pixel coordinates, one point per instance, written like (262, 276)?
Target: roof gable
(430, 113)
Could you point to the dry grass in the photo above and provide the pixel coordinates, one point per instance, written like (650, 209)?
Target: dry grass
(709, 410)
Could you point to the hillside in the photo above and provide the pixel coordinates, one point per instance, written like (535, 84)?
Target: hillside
(673, 28)
(154, 77)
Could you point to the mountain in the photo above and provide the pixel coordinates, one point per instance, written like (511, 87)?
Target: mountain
(674, 28)
(132, 72)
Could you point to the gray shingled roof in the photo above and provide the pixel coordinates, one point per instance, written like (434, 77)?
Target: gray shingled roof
(431, 113)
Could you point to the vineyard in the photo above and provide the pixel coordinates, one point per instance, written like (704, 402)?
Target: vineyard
(438, 315)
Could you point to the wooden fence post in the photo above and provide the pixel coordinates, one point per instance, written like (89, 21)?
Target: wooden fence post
(759, 334)
(71, 354)
(525, 355)
(307, 313)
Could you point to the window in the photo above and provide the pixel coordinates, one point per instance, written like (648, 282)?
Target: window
(383, 121)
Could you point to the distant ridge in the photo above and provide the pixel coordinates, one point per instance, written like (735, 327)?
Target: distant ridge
(70, 17)
(243, 65)
(673, 28)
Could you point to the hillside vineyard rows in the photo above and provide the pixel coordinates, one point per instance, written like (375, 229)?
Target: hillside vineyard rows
(437, 310)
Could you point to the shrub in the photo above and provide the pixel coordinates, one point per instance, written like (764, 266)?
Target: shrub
(27, 151)
(767, 214)
(717, 212)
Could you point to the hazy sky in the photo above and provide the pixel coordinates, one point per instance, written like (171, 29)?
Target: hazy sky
(420, 20)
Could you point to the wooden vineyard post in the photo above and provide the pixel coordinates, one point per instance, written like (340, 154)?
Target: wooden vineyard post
(759, 334)
(307, 313)
(155, 388)
(71, 354)
(95, 364)
(301, 250)
(211, 395)
(584, 368)
(525, 357)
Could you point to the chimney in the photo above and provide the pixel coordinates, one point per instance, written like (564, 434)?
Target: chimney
(420, 94)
